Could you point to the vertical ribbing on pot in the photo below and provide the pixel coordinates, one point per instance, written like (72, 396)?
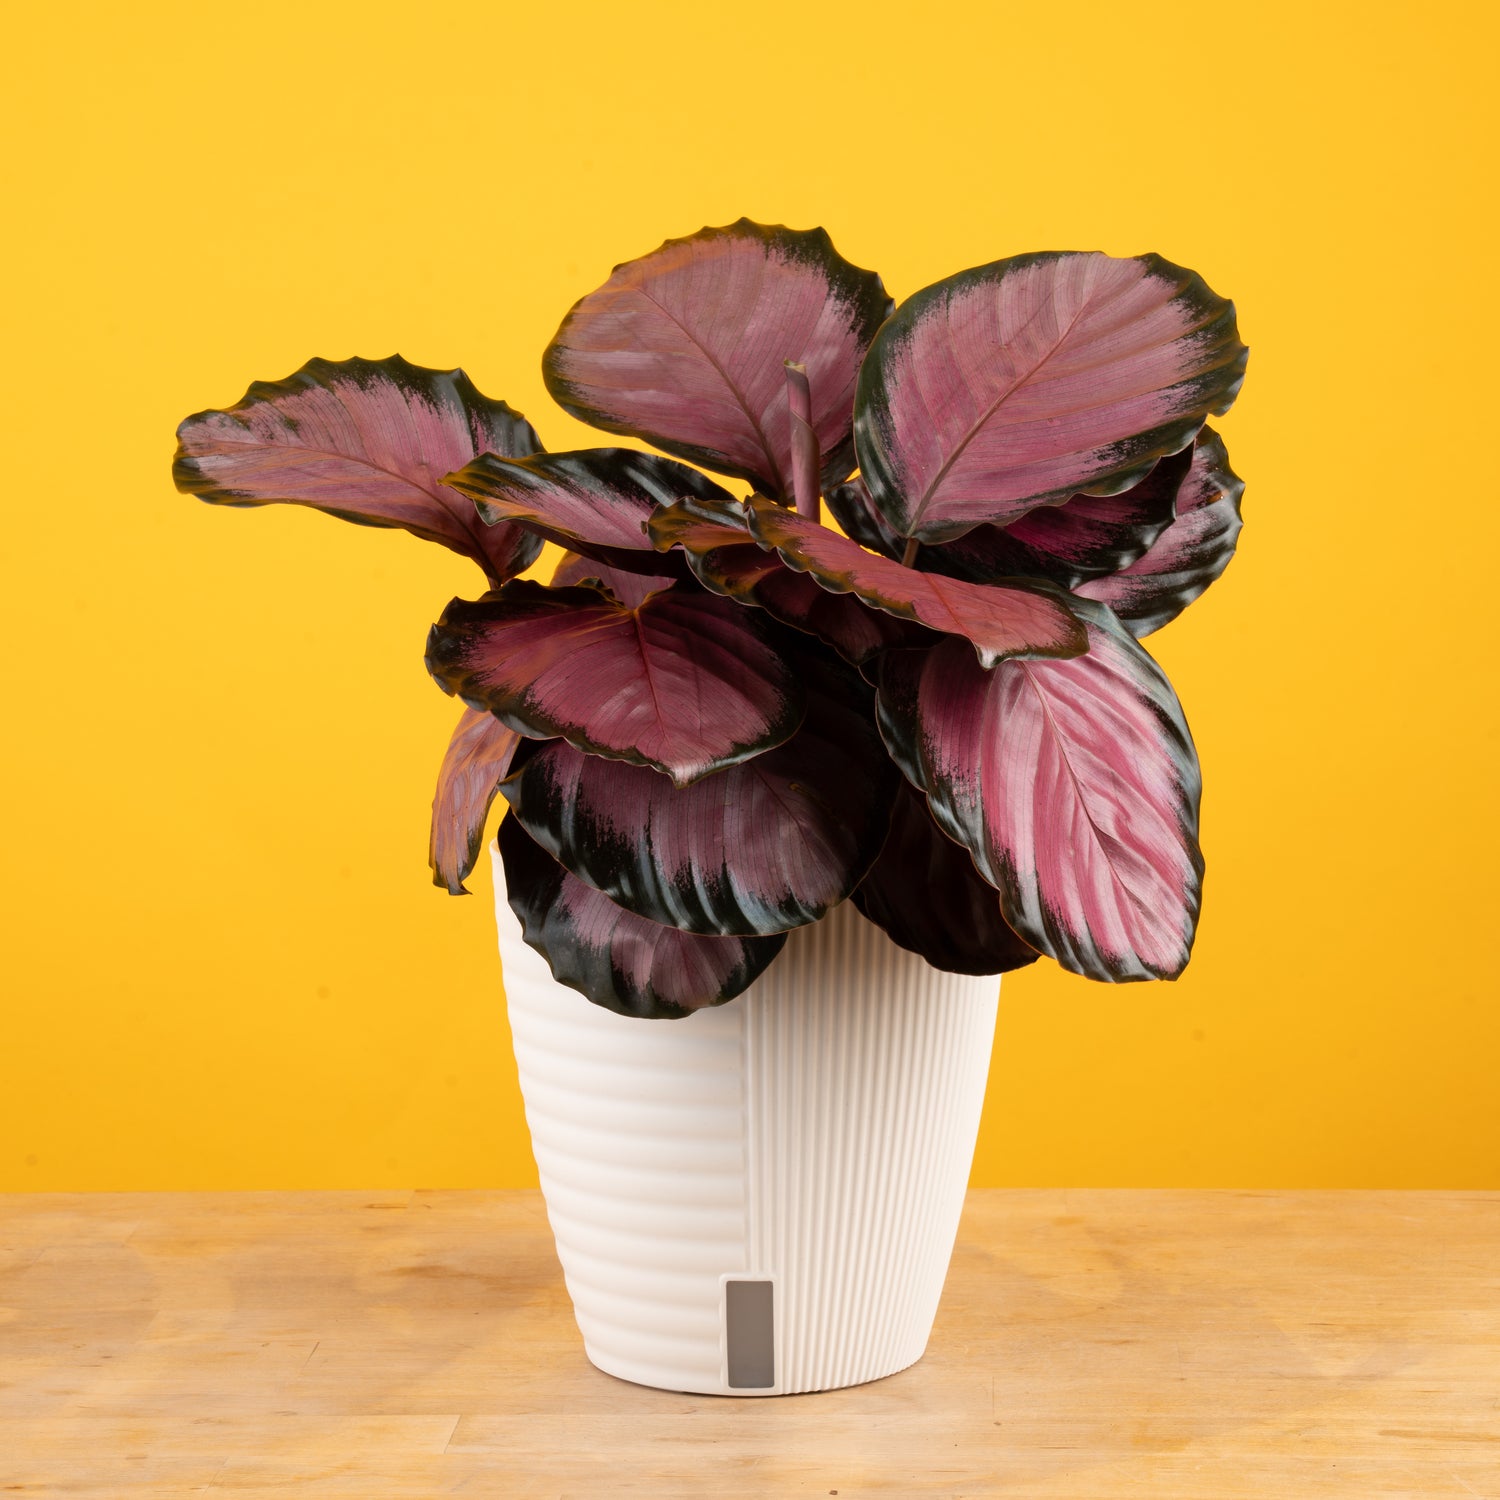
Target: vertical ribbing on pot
(866, 1072)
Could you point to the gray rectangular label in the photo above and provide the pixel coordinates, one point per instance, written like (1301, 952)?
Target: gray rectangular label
(749, 1334)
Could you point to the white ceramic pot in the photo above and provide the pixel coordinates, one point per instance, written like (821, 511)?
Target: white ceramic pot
(761, 1198)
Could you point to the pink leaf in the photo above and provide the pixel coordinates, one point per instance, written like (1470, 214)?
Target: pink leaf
(365, 440)
(1189, 555)
(1029, 380)
(478, 760)
(595, 501)
(687, 348)
(1074, 784)
(685, 682)
(1023, 619)
(619, 960)
(767, 845)
(629, 588)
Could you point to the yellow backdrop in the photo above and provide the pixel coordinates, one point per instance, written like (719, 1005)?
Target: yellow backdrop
(225, 966)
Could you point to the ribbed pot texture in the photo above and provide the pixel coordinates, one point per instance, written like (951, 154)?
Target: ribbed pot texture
(761, 1198)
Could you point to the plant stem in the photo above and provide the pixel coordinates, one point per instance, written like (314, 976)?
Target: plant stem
(806, 458)
(910, 555)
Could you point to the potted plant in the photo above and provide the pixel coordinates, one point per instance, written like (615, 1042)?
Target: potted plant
(856, 772)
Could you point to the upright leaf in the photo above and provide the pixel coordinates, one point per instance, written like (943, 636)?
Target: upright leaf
(927, 895)
(1074, 784)
(685, 682)
(368, 441)
(1022, 619)
(1187, 557)
(619, 960)
(478, 760)
(1030, 380)
(687, 348)
(595, 501)
(767, 845)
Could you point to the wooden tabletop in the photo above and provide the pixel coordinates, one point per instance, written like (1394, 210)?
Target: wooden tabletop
(1091, 1345)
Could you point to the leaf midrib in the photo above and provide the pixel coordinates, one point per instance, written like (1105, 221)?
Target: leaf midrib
(1017, 384)
(1060, 740)
(979, 422)
(740, 397)
(443, 499)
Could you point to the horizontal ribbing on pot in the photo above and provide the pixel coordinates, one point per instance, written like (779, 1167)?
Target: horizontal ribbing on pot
(817, 1131)
(638, 1132)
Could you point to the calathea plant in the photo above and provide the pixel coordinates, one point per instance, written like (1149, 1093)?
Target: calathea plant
(723, 717)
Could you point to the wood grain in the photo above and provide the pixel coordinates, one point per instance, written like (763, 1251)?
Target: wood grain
(1091, 1345)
